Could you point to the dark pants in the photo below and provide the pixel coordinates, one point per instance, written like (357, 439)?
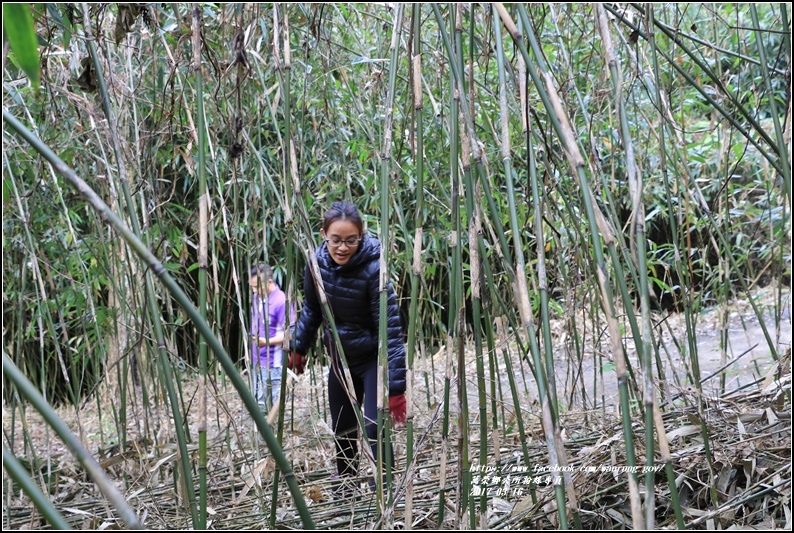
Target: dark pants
(343, 416)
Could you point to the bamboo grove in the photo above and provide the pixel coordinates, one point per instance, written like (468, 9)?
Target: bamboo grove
(550, 183)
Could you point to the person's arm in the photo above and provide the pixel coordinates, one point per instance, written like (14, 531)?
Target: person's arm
(275, 340)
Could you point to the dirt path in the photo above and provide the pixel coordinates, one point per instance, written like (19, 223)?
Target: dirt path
(592, 385)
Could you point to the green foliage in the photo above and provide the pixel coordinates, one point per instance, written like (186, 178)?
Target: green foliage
(18, 28)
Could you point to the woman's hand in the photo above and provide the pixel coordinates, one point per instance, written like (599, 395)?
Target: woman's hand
(397, 408)
(297, 362)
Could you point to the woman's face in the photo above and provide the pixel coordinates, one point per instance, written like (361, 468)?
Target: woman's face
(341, 232)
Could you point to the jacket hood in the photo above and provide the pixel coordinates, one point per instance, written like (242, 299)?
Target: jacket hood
(367, 251)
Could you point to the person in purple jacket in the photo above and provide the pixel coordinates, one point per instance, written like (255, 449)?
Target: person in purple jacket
(268, 317)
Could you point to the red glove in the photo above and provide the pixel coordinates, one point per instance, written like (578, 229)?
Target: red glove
(297, 362)
(397, 408)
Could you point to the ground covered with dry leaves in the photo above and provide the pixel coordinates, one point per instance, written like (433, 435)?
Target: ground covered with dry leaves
(749, 425)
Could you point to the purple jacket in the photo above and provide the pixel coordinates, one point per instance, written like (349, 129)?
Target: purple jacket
(268, 316)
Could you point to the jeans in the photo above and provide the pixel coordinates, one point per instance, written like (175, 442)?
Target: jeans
(265, 378)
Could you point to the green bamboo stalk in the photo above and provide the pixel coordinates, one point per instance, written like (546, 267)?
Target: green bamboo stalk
(644, 348)
(572, 503)
(83, 456)
(615, 256)
(39, 499)
(159, 270)
(464, 472)
(786, 209)
(202, 264)
(285, 69)
(416, 263)
(785, 165)
(476, 278)
(455, 280)
(520, 266)
(477, 255)
(786, 36)
(385, 161)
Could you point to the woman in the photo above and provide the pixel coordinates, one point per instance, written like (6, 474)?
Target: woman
(349, 262)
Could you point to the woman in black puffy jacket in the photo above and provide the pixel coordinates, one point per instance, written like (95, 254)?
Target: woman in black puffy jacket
(349, 262)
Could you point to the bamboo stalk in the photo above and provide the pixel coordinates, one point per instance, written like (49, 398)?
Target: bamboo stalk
(455, 283)
(285, 69)
(384, 466)
(203, 200)
(465, 495)
(644, 348)
(291, 182)
(416, 265)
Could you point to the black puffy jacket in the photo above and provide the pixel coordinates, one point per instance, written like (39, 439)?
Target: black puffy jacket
(352, 290)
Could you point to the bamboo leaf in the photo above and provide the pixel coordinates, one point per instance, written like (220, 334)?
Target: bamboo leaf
(18, 26)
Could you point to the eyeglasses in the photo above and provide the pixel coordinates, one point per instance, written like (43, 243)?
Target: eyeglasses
(351, 242)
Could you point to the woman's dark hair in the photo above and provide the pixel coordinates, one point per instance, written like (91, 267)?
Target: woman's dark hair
(343, 211)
